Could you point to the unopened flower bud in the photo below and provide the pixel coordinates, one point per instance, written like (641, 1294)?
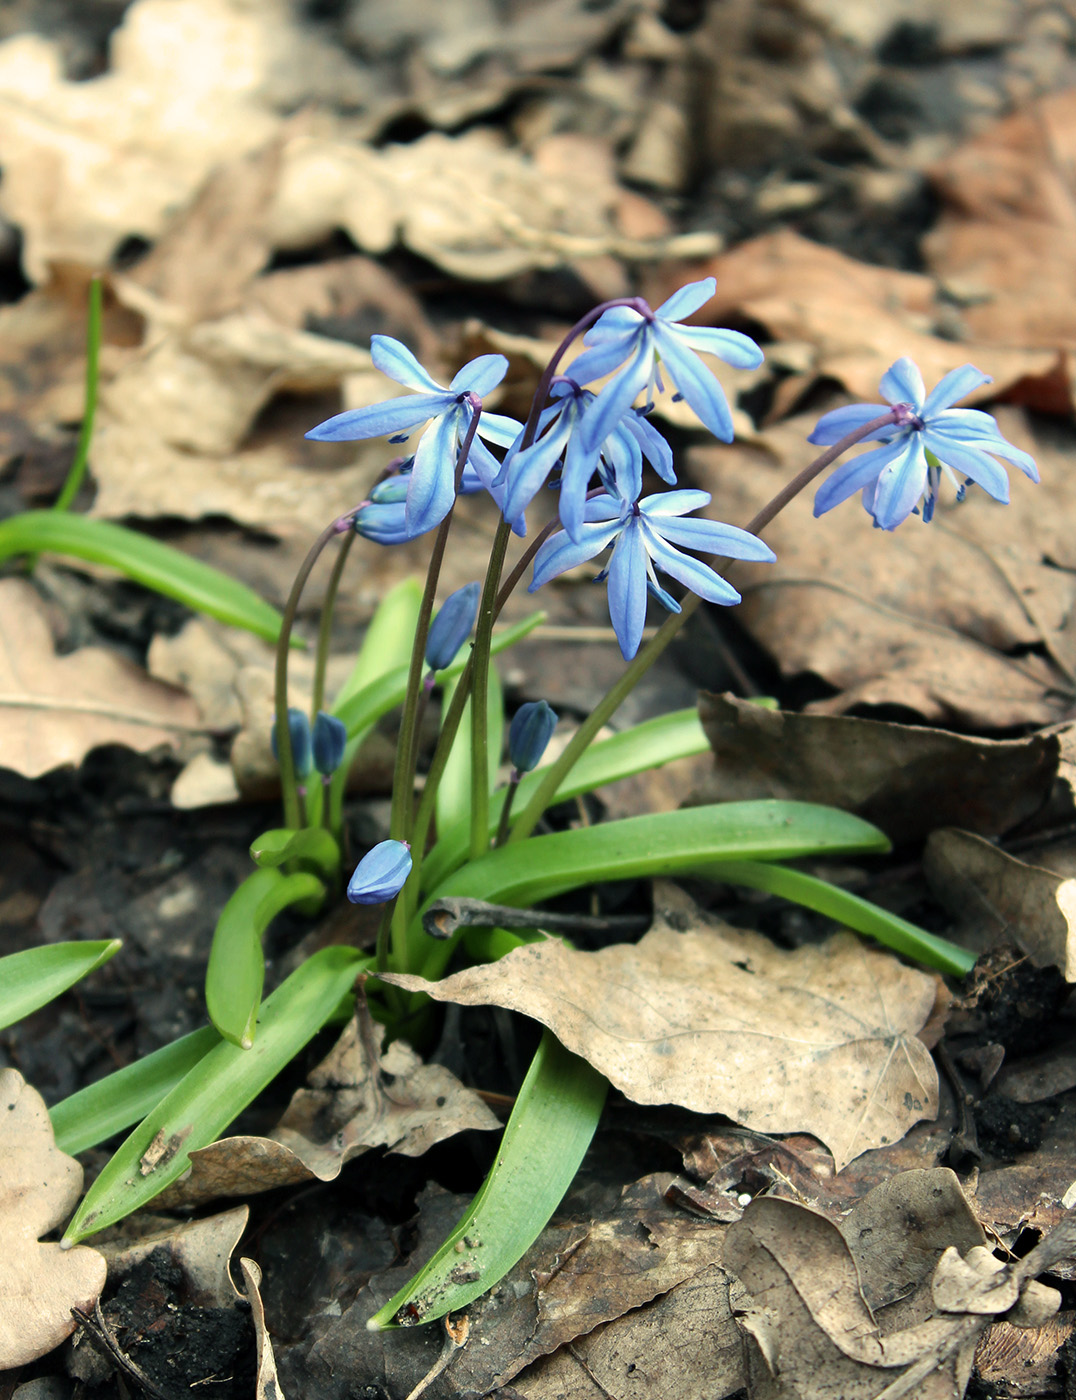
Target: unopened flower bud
(381, 873)
(452, 626)
(530, 731)
(299, 730)
(329, 742)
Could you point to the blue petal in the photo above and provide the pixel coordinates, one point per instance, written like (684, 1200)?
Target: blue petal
(384, 524)
(692, 573)
(687, 300)
(380, 419)
(628, 588)
(972, 461)
(499, 428)
(381, 874)
(617, 397)
(854, 475)
(991, 442)
(900, 484)
(613, 324)
(480, 375)
(654, 447)
(674, 502)
(733, 347)
(902, 383)
(433, 479)
(622, 471)
(575, 478)
(696, 384)
(838, 423)
(393, 358)
(972, 421)
(529, 469)
(608, 508)
(603, 359)
(952, 387)
(712, 537)
(561, 553)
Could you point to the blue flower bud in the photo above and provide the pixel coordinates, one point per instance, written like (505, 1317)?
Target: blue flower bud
(381, 873)
(392, 489)
(330, 740)
(452, 626)
(382, 522)
(530, 731)
(299, 729)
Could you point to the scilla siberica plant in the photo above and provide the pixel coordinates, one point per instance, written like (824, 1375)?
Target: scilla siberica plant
(592, 441)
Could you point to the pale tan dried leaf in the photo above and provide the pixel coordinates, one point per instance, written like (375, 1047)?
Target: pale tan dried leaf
(718, 1020)
(200, 1249)
(56, 708)
(353, 1104)
(907, 780)
(39, 1187)
(266, 1385)
(1000, 898)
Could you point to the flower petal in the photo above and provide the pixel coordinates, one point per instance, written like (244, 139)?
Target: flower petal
(627, 588)
(687, 300)
(692, 573)
(480, 375)
(381, 873)
(973, 461)
(674, 502)
(853, 476)
(839, 422)
(991, 442)
(609, 406)
(498, 428)
(393, 358)
(433, 479)
(952, 387)
(603, 359)
(900, 484)
(561, 553)
(902, 383)
(380, 419)
(654, 447)
(733, 347)
(529, 469)
(712, 537)
(696, 384)
(612, 324)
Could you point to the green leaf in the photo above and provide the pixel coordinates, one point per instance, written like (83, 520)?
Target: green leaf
(233, 984)
(33, 978)
(544, 1142)
(635, 750)
(216, 1090)
(453, 801)
(149, 562)
(848, 909)
(312, 843)
(124, 1097)
(667, 843)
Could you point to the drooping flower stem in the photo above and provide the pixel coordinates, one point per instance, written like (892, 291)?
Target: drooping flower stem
(325, 626)
(487, 612)
(638, 667)
(285, 758)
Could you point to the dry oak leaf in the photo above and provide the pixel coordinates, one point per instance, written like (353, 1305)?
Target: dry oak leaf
(821, 1040)
(57, 708)
(39, 1187)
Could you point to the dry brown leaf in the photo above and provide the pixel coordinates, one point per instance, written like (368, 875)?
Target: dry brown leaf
(57, 708)
(858, 317)
(266, 1385)
(905, 779)
(401, 1105)
(938, 619)
(1006, 240)
(1000, 898)
(718, 1020)
(201, 1250)
(39, 1187)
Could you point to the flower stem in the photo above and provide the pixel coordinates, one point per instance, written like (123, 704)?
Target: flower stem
(325, 626)
(487, 612)
(641, 663)
(285, 757)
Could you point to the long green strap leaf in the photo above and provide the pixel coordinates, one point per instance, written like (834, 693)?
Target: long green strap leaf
(453, 800)
(545, 1140)
(33, 978)
(275, 848)
(649, 745)
(215, 1091)
(236, 972)
(147, 561)
(849, 909)
(105, 1108)
(667, 843)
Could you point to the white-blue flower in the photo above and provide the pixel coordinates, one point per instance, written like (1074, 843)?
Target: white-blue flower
(447, 414)
(934, 438)
(644, 535)
(640, 345)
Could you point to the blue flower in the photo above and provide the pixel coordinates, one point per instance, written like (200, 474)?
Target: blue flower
(299, 733)
(638, 344)
(381, 874)
(447, 414)
(329, 743)
(452, 626)
(529, 733)
(559, 440)
(643, 536)
(931, 438)
(383, 517)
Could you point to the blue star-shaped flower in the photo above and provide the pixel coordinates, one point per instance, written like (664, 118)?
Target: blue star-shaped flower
(638, 344)
(447, 414)
(644, 535)
(932, 438)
